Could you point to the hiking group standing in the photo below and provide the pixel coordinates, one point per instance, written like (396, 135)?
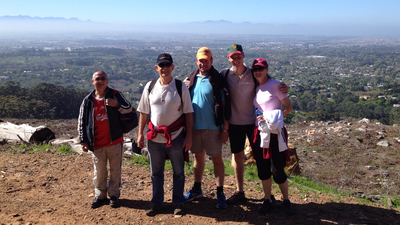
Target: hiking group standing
(200, 114)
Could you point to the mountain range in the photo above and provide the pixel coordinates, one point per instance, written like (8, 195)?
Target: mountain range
(28, 24)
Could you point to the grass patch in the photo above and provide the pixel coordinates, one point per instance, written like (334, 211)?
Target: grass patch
(30, 149)
(259, 188)
(168, 165)
(19, 147)
(41, 148)
(65, 150)
(318, 187)
(139, 161)
(363, 201)
(209, 169)
(250, 173)
(304, 185)
(335, 199)
(396, 202)
(228, 168)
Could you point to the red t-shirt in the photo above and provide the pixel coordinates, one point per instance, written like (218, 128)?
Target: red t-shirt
(102, 136)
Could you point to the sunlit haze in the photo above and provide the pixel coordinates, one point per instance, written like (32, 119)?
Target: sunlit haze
(309, 17)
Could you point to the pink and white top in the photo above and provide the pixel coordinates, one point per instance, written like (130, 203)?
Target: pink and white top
(268, 97)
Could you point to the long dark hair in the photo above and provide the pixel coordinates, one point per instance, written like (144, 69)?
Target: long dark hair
(255, 79)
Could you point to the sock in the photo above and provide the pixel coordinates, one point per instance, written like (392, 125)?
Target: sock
(220, 189)
(197, 185)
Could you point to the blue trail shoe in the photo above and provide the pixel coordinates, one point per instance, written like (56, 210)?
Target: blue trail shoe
(192, 194)
(221, 200)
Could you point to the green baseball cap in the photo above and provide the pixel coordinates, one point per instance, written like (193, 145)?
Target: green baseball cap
(235, 48)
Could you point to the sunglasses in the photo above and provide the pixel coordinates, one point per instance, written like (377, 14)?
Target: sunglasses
(162, 65)
(256, 69)
(100, 79)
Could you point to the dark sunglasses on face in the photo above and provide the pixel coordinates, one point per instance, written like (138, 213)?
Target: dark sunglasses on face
(256, 69)
(162, 65)
(100, 79)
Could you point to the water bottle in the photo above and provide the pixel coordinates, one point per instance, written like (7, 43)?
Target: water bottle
(258, 113)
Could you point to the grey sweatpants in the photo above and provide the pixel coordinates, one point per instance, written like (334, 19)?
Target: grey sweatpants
(114, 155)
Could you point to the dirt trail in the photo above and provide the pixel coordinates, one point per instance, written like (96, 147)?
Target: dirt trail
(50, 188)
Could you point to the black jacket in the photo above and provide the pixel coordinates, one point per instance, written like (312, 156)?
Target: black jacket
(86, 117)
(217, 82)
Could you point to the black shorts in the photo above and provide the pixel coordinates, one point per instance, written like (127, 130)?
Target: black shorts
(237, 136)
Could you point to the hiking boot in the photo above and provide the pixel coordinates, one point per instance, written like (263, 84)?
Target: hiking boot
(98, 202)
(192, 194)
(178, 209)
(236, 197)
(221, 200)
(114, 202)
(288, 208)
(153, 210)
(274, 203)
(265, 207)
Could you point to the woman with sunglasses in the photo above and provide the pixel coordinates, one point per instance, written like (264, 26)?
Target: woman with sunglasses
(271, 152)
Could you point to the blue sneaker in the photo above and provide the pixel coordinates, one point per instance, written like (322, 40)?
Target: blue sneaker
(192, 194)
(221, 200)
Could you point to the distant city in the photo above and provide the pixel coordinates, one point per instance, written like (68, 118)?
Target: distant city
(330, 77)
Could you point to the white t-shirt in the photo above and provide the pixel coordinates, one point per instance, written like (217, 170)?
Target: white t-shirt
(164, 106)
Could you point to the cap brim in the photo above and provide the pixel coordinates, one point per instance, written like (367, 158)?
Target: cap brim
(235, 52)
(259, 64)
(203, 57)
(163, 61)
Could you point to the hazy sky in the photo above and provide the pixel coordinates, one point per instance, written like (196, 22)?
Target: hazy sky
(382, 14)
(174, 11)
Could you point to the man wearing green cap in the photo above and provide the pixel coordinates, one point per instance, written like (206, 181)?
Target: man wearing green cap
(239, 111)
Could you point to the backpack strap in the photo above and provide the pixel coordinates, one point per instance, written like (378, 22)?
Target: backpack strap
(226, 74)
(151, 86)
(178, 84)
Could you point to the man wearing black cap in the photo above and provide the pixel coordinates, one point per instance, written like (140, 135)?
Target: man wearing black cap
(170, 115)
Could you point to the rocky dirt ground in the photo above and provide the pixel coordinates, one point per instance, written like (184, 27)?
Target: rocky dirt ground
(50, 188)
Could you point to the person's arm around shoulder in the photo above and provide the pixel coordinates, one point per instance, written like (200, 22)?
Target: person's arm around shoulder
(287, 106)
(283, 88)
(186, 81)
